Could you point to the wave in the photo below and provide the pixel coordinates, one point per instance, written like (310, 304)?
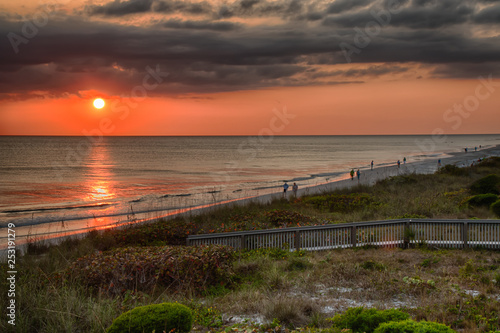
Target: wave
(29, 210)
(129, 216)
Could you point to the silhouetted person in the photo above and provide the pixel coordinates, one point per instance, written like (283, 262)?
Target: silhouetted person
(285, 188)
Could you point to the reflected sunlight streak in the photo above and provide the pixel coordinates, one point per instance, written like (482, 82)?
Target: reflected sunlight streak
(100, 188)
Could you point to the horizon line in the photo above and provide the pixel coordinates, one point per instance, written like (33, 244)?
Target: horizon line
(235, 135)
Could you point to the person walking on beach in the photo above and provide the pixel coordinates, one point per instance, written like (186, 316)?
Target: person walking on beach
(439, 163)
(295, 187)
(352, 174)
(399, 163)
(358, 174)
(404, 160)
(371, 165)
(285, 188)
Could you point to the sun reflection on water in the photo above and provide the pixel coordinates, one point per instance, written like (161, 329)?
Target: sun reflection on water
(100, 186)
(101, 191)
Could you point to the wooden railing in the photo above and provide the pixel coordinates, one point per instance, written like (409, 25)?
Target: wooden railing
(388, 233)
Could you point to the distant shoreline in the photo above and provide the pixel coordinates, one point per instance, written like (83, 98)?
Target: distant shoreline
(368, 177)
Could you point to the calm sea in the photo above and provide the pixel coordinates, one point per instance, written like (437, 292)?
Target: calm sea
(78, 182)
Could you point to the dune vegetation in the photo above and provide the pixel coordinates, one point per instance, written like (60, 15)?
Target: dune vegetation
(82, 285)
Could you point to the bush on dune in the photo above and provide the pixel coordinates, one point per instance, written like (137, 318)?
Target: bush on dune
(341, 202)
(284, 218)
(453, 170)
(366, 320)
(165, 317)
(482, 200)
(410, 326)
(488, 184)
(491, 162)
(495, 208)
(171, 232)
(143, 268)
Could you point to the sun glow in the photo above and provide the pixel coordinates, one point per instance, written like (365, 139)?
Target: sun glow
(99, 103)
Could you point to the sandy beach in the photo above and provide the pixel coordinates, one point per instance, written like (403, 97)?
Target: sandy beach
(370, 177)
(367, 177)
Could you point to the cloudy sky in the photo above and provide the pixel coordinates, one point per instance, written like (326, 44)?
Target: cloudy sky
(173, 67)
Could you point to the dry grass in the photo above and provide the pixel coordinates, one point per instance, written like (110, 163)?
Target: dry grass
(452, 286)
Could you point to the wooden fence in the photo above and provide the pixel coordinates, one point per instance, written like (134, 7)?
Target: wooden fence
(388, 233)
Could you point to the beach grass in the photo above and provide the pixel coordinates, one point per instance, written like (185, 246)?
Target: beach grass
(270, 289)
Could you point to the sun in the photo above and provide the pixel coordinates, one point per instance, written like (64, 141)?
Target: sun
(99, 103)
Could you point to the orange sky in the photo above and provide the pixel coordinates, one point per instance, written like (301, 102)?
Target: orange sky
(415, 107)
(228, 64)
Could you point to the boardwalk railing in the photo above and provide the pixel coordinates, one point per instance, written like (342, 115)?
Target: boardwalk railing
(388, 233)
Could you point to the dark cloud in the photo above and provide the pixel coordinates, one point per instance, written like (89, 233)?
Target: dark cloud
(247, 4)
(467, 70)
(370, 71)
(419, 15)
(340, 6)
(120, 8)
(201, 25)
(126, 7)
(489, 14)
(244, 8)
(203, 53)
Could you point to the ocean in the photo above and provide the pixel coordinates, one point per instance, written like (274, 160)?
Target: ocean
(53, 185)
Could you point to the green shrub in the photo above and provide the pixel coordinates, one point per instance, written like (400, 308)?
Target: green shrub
(163, 317)
(142, 268)
(453, 170)
(467, 269)
(342, 203)
(366, 320)
(495, 208)
(482, 200)
(492, 162)
(373, 266)
(298, 264)
(488, 184)
(410, 326)
(208, 317)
